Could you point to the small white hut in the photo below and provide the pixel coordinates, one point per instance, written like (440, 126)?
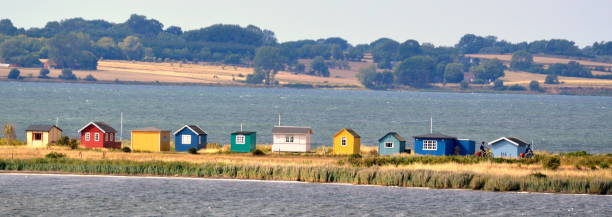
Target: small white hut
(291, 139)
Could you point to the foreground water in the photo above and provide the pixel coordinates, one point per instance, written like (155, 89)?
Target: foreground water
(57, 195)
(552, 122)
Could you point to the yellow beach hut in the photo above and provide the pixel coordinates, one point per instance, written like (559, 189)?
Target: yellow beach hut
(347, 142)
(42, 135)
(150, 139)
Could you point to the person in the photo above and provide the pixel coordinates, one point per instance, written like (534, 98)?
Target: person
(482, 147)
(528, 151)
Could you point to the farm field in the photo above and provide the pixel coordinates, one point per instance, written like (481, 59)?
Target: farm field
(539, 59)
(134, 71)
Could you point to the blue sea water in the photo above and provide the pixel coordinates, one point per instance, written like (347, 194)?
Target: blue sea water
(552, 122)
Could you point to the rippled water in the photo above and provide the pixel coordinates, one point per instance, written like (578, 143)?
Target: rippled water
(553, 122)
(57, 195)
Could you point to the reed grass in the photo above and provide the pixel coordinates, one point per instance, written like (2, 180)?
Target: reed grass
(321, 174)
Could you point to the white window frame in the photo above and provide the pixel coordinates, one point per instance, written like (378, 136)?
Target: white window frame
(430, 145)
(289, 139)
(185, 139)
(96, 137)
(240, 139)
(343, 141)
(392, 144)
(87, 136)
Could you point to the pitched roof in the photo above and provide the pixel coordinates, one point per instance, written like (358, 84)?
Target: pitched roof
(291, 130)
(193, 128)
(243, 133)
(514, 140)
(394, 134)
(42, 127)
(100, 125)
(148, 129)
(349, 130)
(434, 136)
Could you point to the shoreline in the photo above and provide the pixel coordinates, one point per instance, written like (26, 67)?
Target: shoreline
(562, 91)
(62, 174)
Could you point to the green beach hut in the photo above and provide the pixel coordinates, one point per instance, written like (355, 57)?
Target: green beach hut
(243, 141)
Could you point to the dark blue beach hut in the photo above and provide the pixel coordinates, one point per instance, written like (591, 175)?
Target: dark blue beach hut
(189, 136)
(392, 143)
(440, 144)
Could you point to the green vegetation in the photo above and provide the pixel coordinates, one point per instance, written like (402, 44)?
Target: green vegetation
(521, 60)
(551, 79)
(43, 73)
(453, 73)
(258, 152)
(67, 75)
(323, 174)
(551, 163)
(489, 70)
(14, 74)
(126, 149)
(65, 141)
(535, 86)
(90, 78)
(358, 161)
(373, 79)
(55, 155)
(192, 150)
(318, 67)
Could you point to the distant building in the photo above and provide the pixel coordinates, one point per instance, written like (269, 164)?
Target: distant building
(243, 141)
(391, 143)
(291, 139)
(47, 63)
(98, 135)
(150, 139)
(347, 142)
(42, 135)
(511, 147)
(440, 144)
(189, 136)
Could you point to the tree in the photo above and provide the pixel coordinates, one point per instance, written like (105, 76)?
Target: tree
(256, 78)
(489, 70)
(21, 50)
(14, 74)
(106, 48)
(67, 75)
(499, 85)
(551, 79)
(90, 78)
(415, 71)
(7, 28)
(453, 73)
(521, 60)
(141, 25)
(9, 132)
(409, 48)
(43, 73)
(175, 30)
(132, 47)
(372, 79)
(318, 67)
(535, 86)
(384, 51)
(72, 50)
(267, 62)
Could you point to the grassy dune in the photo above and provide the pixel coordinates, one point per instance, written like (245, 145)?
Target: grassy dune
(575, 174)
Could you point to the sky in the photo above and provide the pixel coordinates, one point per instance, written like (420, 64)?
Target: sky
(441, 22)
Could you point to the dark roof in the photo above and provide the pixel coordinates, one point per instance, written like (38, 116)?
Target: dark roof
(243, 133)
(41, 127)
(148, 129)
(291, 130)
(351, 131)
(434, 136)
(394, 134)
(193, 128)
(518, 141)
(105, 127)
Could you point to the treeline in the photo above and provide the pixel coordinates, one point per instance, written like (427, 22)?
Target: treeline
(78, 44)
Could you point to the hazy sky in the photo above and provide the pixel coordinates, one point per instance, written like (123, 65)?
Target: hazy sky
(441, 22)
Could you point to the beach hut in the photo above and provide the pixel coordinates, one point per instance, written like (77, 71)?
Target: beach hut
(392, 143)
(510, 147)
(42, 135)
(98, 135)
(440, 144)
(243, 141)
(150, 139)
(347, 142)
(189, 136)
(291, 139)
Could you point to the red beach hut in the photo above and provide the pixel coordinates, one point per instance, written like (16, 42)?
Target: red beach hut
(98, 135)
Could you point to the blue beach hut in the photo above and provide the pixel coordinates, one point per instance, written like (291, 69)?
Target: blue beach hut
(440, 144)
(189, 136)
(392, 143)
(508, 147)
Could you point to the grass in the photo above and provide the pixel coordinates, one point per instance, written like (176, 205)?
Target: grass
(320, 174)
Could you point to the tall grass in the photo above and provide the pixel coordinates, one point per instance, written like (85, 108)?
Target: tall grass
(327, 174)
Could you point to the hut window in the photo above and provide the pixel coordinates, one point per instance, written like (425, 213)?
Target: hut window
(289, 139)
(96, 137)
(37, 136)
(343, 141)
(186, 139)
(388, 144)
(240, 139)
(430, 145)
(106, 137)
(87, 136)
